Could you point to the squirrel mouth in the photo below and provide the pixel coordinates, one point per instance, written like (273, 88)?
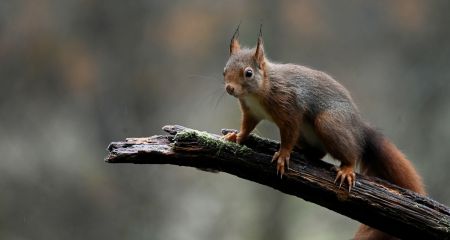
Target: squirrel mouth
(233, 94)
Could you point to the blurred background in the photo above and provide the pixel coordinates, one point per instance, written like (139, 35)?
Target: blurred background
(76, 75)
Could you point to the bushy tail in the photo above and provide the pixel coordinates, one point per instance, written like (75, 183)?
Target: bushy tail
(382, 159)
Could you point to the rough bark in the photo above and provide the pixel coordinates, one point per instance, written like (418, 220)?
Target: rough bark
(372, 201)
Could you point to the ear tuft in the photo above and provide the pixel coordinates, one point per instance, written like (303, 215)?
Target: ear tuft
(234, 44)
(259, 52)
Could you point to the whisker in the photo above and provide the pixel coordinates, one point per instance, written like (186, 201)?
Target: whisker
(211, 96)
(219, 100)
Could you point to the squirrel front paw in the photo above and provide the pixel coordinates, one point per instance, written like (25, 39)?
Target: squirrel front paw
(234, 137)
(231, 136)
(282, 158)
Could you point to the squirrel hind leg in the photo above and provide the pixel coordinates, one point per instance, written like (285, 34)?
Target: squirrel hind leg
(341, 144)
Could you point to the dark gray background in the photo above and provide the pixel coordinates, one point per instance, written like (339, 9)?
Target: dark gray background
(76, 75)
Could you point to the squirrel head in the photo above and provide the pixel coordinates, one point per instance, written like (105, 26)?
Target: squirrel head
(244, 72)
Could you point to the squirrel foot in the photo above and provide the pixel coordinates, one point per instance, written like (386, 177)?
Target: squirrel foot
(282, 158)
(346, 173)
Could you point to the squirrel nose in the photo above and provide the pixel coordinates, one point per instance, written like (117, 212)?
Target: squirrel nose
(230, 89)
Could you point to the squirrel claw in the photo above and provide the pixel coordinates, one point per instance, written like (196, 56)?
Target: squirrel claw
(282, 161)
(275, 156)
(347, 175)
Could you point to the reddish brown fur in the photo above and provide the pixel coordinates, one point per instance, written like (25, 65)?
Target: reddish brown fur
(383, 159)
(294, 96)
(248, 123)
(338, 140)
(234, 47)
(287, 118)
(287, 121)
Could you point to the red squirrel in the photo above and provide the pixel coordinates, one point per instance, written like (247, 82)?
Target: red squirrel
(315, 113)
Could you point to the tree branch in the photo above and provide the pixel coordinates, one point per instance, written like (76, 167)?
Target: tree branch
(372, 201)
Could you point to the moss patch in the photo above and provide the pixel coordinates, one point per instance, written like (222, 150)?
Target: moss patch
(206, 140)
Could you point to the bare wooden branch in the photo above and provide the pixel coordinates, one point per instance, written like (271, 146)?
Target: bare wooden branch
(372, 201)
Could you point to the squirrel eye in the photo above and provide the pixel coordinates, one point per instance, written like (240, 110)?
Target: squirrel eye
(248, 72)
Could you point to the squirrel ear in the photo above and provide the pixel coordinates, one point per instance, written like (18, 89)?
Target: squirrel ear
(259, 52)
(234, 44)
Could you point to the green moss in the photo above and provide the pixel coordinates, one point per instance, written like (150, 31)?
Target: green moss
(207, 140)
